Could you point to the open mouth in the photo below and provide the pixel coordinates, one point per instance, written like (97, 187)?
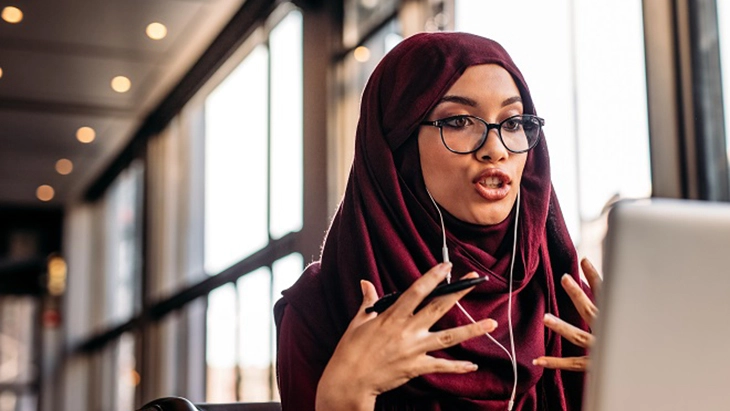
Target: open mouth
(493, 184)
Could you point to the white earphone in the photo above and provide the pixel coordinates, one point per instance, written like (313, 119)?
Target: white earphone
(445, 256)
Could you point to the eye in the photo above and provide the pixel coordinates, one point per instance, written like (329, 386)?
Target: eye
(512, 124)
(457, 122)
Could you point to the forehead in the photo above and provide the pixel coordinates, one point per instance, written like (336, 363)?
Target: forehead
(485, 81)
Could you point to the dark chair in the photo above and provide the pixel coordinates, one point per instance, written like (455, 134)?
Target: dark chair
(181, 404)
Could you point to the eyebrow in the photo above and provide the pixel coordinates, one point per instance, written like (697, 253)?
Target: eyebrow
(472, 103)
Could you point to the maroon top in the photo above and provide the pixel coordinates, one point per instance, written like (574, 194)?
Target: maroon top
(387, 231)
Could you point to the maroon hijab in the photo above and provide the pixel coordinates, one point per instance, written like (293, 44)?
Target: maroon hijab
(387, 231)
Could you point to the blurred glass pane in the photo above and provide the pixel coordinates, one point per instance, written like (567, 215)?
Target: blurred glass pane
(254, 296)
(76, 383)
(8, 401)
(723, 19)
(587, 79)
(286, 272)
(127, 375)
(352, 75)
(18, 317)
(285, 44)
(236, 134)
(11, 401)
(123, 258)
(361, 16)
(221, 345)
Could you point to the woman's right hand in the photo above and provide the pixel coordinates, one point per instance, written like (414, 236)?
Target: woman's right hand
(379, 352)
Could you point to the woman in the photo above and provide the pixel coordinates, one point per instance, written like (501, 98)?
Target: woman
(447, 130)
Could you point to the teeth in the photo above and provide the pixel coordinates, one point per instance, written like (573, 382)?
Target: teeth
(492, 182)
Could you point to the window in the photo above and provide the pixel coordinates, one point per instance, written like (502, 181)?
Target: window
(353, 72)
(587, 79)
(236, 164)
(254, 335)
(253, 136)
(286, 126)
(221, 345)
(253, 197)
(123, 246)
(222, 238)
(19, 333)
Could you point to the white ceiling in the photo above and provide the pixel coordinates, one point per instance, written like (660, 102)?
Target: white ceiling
(57, 65)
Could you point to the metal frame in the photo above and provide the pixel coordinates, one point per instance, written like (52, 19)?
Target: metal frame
(684, 93)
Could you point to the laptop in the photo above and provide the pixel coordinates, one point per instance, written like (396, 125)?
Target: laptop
(663, 332)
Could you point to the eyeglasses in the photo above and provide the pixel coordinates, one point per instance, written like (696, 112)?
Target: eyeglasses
(466, 134)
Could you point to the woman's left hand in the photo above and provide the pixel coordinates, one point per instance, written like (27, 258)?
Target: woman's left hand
(575, 335)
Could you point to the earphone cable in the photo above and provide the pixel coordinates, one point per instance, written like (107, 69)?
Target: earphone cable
(445, 256)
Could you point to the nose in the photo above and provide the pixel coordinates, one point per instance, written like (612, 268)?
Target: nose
(492, 150)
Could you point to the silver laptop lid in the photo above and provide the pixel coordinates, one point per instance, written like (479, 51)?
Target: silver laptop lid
(664, 326)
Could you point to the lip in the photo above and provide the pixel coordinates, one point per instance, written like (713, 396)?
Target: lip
(493, 193)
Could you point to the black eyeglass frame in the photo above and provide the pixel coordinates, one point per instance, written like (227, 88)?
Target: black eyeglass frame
(497, 126)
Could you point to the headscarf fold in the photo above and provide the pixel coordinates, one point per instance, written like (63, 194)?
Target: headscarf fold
(387, 231)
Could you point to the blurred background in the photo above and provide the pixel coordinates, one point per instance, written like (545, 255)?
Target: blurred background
(167, 167)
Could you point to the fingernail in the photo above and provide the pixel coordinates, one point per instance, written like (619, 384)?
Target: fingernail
(539, 362)
(568, 278)
(471, 367)
(549, 319)
(489, 325)
(470, 274)
(362, 287)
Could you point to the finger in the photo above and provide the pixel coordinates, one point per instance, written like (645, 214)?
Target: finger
(435, 309)
(573, 334)
(414, 295)
(369, 297)
(431, 365)
(569, 363)
(453, 336)
(594, 279)
(587, 310)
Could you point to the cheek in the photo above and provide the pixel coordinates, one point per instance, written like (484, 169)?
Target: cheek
(429, 158)
(520, 168)
(437, 164)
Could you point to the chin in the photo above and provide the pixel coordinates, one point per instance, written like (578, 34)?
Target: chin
(491, 217)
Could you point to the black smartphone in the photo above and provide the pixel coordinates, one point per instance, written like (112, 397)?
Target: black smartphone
(447, 288)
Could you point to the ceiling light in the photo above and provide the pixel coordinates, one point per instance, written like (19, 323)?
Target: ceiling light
(121, 84)
(156, 31)
(44, 192)
(64, 166)
(12, 14)
(1, 72)
(57, 272)
(362, 54)
(85, 134)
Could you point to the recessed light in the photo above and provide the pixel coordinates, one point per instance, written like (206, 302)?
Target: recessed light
(156, 31)
(44, 192)
(57, 273)
(64, 166)
(12, 14)
(362, 54)
(121, 84)
(85, 134)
